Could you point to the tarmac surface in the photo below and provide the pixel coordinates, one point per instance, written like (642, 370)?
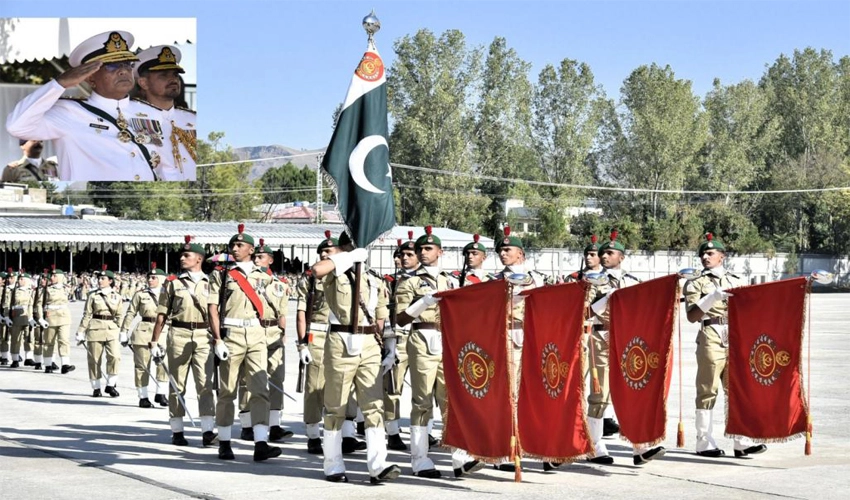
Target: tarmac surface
(58, 442)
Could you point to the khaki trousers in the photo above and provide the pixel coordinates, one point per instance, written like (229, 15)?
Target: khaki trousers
(344, 372)
(314, 385)
(141, 363)
(190, 349)
(18, 333)
(57, 334)
(597, 402)
(427, 380)
(95, 350)
(5, 337)
(247, 347)
(392, 402)
(36, 344)
(276, 370)
(711, 368)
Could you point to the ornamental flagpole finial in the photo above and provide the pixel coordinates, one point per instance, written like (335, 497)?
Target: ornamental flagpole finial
(371, 24)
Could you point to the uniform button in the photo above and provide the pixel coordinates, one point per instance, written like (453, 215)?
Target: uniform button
(137, 177)
(133, 154)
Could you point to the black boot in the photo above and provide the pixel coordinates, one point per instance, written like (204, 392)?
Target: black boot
(161, 399)
(314, 446)
(37, 366)
(361, 428)
(752, 450)
(225, 452)
(394, 442)
(652, 454)
(110, 389)
(15, 364)
(277, 433)
(29, 362)
(247, 434)
(208, 438)
(350, 445)
(610, 427)
(68, 369)
(96, 393)
(262, 451)
(145, 403)
(49, 369)
(4, 361)
(388, 474)
(178, 439)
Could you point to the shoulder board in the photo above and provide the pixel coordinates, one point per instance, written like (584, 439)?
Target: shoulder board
(733, 275)
(389, 278)
(448, 274)
(181, 108)
(455, 274)
(374, 273)
(627, 275)
(74, 98)
(136, 99)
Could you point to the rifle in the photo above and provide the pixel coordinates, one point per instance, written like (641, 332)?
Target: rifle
(464, 271)
(222, 331)
(43, 315)
(391, 381)
(308, 318)
(3, 330)
(12, 302)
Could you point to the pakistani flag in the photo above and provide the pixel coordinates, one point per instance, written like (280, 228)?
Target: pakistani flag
(357, 158)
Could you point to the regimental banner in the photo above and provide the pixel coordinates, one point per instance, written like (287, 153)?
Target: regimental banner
(478, 417)
(765, 390)
(550, 411)
(643, 318)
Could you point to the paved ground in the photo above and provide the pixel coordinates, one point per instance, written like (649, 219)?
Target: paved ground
(56, 441)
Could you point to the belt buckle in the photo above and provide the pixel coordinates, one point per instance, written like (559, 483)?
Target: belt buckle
(246, 323)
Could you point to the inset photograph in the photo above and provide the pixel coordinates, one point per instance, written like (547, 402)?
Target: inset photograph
(98, 99)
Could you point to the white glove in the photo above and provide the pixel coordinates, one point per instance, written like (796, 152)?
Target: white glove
(304, 354)
(600, 305)
(389, 360)
(32, 323)
(344, 261)
(221, 350)
(80, 337)
(707, 302)
(8, 321)
(418, 307)
(156, 351)
(44, 324)
(123, 338)
(359, 255)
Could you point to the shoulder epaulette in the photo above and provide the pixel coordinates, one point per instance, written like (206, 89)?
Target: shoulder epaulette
(627, 275)
(181, 108)
(70, 98)
(136, 99)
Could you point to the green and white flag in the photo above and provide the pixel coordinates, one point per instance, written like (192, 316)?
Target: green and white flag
(357, 158)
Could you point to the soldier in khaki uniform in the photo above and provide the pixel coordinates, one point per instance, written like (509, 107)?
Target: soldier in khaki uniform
(274, 300)
(99, 330)
(54, 315)
(395, 345)
(312, 332)
(474, 255)
(706, 302)
(240, 344)
(183, 305)
(613, 253)
(352, 359)
(145, 303)
(21, 318)
(31, 167)
(5, 331)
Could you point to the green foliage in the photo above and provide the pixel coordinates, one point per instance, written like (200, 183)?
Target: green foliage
(221, 191)
(289, 183)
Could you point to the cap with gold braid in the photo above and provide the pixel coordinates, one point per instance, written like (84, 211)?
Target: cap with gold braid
(155, 271)
(108, 47)
(613, 244)
(188, 246)
(328, 242)
(711, 243)
(159, 58)
(475, 245)
(241, 236)
(594, 246)
(509, 241)
(428, 239)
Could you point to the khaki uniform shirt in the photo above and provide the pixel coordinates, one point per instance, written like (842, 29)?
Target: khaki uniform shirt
(23, 170)
(238, 306)
(22, 311)
(596, 293)
(321, 310)
(414, 287)
(705, 284)
(102, 303)
(534, 280)
(144, 303)
(56, 310)
(339, 292)
(177, 304)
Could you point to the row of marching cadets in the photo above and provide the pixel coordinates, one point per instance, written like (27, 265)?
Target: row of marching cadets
(399, 333)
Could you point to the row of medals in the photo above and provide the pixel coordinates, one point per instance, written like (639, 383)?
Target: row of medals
(147, 131)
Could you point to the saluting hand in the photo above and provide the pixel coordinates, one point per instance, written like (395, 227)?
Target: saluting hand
(75, 76)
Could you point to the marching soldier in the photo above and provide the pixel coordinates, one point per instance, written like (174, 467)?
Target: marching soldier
(5, 331)
(352, 359)
(240, 344)
(183, 305)
(99, 330)
(592, 261)
(20, 318)
(706, 301)
(144, 303)
(613, 253)
(474, 255)
(36, 335)
(55, 317)
(274, 300)
(395, 345)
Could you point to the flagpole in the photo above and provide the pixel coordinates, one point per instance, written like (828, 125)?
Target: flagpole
(319, 198)
(516, 450)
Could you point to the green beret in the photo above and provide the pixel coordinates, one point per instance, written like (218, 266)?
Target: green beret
(263, 248)
(4, 275)
(25, 275)
(241, 236)
(157, 272)
(328, 242)
(594, 246)
(428, 239)
(509, 241)
(405, 245)
(57, 271)
(188, 246)
(614, 244)
(108, 274)
(475, 245)
(711, 243)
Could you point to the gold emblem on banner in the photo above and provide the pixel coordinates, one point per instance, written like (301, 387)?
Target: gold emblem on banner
(766, 361)
(638, 363)
(476, 369)
(554, 369)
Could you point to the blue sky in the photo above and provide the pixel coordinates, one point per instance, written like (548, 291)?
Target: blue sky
(272, 72)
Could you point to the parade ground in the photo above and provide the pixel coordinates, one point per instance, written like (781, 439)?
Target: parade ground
(58, 442)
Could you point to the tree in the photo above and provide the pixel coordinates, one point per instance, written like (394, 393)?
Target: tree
(289, 183)
(222, 192)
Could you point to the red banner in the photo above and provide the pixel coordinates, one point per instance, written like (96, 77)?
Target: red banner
(478, 417)
(641, 355)
(765, 392)
(550, 411)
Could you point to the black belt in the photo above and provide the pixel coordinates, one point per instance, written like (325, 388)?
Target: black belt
(360, 330)
(148, 320)
(715, 321)
(189, 325)
(426, 325)
(268, 322)
(102, 316)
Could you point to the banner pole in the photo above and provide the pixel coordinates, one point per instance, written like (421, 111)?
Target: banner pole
(680, 435)
(516, 451)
